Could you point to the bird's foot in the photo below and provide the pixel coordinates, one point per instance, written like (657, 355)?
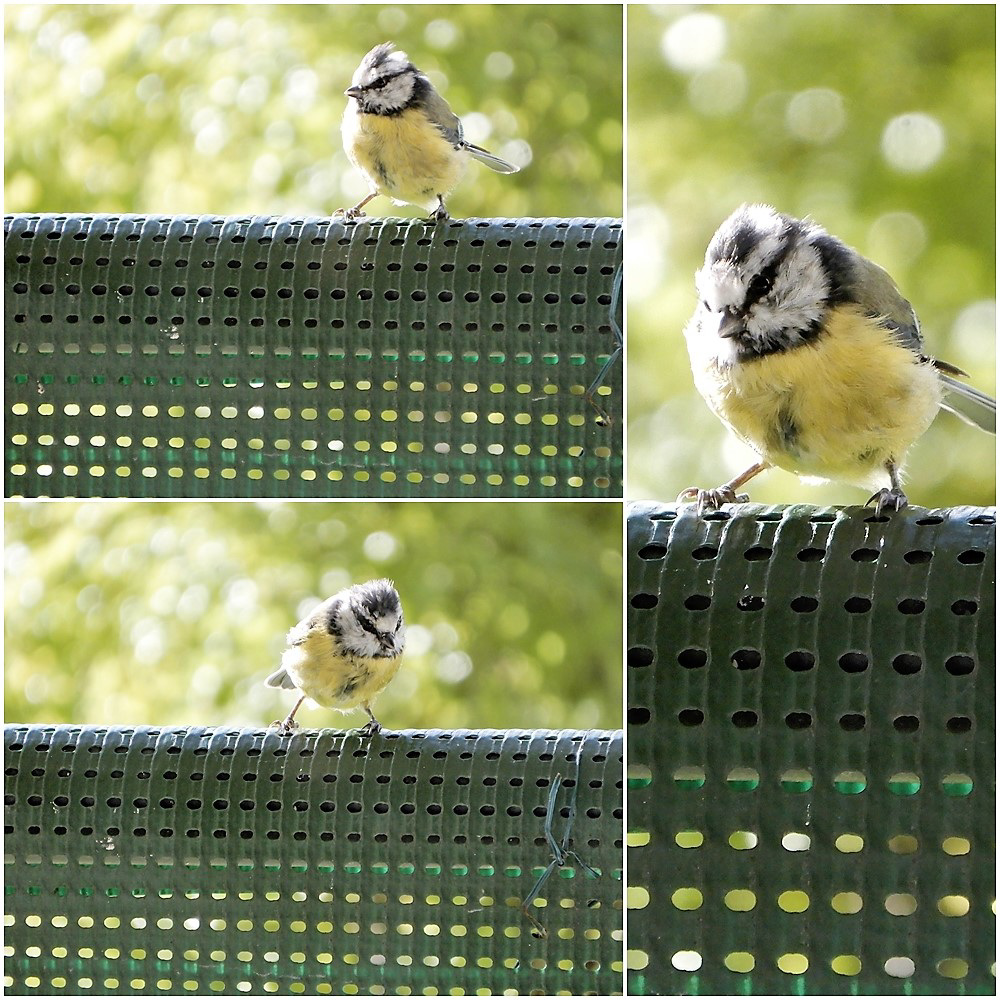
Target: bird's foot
(371, 728)
(285, 727)
(350, 214)
(708, 500)
(887, 500)
(440, 214)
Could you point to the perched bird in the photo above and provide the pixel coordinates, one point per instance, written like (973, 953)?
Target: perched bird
(401, 134)
(344, 652)
(810, 354)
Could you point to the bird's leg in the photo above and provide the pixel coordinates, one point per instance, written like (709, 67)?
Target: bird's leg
(288, 725)
(440, 214)
(891, 499)
(355, 213)
(714, 499)
(373, 727)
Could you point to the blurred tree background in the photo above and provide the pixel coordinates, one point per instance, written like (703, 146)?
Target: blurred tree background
(143, 613)
(235, 108)
(876, 121)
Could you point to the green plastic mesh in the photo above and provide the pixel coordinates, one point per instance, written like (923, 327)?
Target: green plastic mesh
(811, 751)
(192, 861)
(155, 356)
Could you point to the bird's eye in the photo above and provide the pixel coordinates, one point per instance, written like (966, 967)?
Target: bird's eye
(760, 285)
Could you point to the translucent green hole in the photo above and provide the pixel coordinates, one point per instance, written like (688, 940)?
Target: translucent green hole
(850, 782)
(956, 785)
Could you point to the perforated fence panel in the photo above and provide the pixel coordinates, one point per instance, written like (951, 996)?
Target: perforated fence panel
(154, 356)
(174, 861)
(811, 751)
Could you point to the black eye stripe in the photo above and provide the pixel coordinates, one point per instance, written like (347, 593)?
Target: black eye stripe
(380, 82)
(761, 284)
(366, 624)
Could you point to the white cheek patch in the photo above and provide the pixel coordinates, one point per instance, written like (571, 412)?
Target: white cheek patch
(386, 623)
(801, 291)
(397, 91)
(705, 346)
(719, 286)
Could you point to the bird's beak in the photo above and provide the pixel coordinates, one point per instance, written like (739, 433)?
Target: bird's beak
(731, 325)
(354, 92)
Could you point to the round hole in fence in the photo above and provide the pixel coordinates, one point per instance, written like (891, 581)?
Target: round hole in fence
(849, 843)
(640, 656)
(853, 662)
(793, 963)
(793, 901)
(956, 846)
(960, 665)
(740, 900)
(904, 783)
(846, 965)
(800, 660)
(689, 839)
(847, 902)
(900, 967)
(739, 961)
(903, 843)
(953, 906)
(907, 664)
(796, 842)
(743, 779)
(953, 968)
(901, 904)
(688, 898)
(746, 659)
(686, 961)
(698, 602)
(957, 785)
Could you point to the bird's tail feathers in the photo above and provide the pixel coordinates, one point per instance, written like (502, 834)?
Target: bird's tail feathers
(280, 679)
(969, 404)
(493, 162)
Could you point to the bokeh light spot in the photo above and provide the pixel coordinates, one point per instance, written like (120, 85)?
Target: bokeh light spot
(913, 142)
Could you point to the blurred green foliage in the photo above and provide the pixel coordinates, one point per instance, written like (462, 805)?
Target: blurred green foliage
(235, 108)
(174, 613)
(878, 121)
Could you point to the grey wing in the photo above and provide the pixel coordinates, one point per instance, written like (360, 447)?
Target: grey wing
(280, 679)
(969, 404)
(876, 293)
(493, 162)
(437, 110)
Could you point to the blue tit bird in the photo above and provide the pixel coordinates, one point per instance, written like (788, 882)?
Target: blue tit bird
(401, 134)
(809, 353)
(344, 652)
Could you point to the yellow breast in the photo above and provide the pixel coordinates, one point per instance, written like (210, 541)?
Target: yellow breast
(403, 156)
(332, 680)
(839, 407)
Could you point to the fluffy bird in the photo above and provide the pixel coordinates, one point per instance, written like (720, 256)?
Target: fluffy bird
(810, 354)
(344, 653)
(401, 134)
